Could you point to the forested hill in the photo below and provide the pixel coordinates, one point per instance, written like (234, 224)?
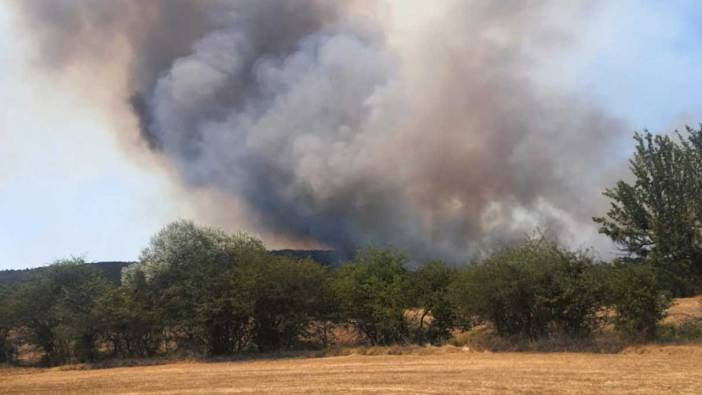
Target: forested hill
(113, 270)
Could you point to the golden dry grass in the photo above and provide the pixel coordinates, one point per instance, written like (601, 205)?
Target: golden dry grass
(684, 308)
(648, 369)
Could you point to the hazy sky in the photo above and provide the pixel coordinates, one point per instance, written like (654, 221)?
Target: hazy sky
(67, 187)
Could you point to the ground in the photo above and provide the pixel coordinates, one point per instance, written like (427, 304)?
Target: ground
(647, 369)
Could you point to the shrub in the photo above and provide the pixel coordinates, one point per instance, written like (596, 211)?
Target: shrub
(127, 323)
(430, 283)
(56, 308)
(639, 304)
(288, 296)
(689, 330)
(372, 295)
(532, 290)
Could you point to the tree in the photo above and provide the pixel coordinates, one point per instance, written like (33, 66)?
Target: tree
(430, 283)
(372, 295)
(289, 294)
(56, 307)
(658, 218)
(532, 289)
(199, 289)
(127, 321)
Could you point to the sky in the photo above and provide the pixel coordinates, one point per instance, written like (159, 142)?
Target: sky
(68, 186)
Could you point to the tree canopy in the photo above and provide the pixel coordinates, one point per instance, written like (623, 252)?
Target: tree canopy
(657, 218)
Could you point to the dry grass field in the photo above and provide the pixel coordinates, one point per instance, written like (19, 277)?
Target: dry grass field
(649, 369)
(684, 308)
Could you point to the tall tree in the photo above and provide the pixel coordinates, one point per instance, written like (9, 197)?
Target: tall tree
(658, 218)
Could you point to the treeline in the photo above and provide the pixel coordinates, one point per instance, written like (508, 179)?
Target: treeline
(202, 291)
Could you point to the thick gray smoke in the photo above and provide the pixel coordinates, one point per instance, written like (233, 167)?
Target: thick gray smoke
(342, 125)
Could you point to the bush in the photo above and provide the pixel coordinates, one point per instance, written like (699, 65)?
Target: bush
(127, 324)
(195, 283)
(639, 304)
(56, 308)
(689, 330)
(373, 297)
(430, 283)
(532, 290)
(288, 296)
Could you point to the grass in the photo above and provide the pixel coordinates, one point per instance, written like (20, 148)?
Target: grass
(647, 369)
(684, 309)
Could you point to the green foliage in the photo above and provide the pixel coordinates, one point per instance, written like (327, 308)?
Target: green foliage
(658, 218)
(225, 293)
(373, 295)
(199, 289)
(288, 295)
(430, 283)
(687, 331)
(56, 308)
(197, 283)
(639, 304)
(533, 289)
(6, 324)
(128, 323)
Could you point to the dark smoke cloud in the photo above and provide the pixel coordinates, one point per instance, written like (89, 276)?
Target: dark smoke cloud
(333, 126)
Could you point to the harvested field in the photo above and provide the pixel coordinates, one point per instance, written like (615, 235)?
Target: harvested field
(649, 369)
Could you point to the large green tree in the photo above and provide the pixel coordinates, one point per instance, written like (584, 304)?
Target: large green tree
(657, 218)
(195, 280)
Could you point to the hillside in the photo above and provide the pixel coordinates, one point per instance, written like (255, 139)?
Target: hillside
(112, 269)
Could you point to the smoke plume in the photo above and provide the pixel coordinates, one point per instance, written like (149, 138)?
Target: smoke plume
(415, 125)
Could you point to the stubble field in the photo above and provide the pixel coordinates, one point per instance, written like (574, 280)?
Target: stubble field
(649, 369)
